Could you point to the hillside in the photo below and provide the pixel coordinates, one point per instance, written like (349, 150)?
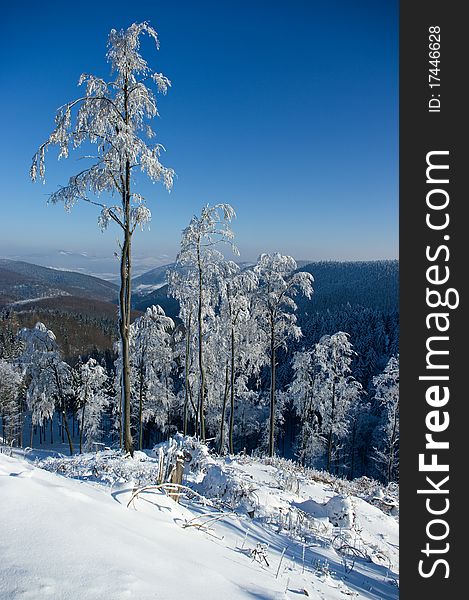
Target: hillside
(358, 297)
(151, 280)
(373, 284)
(159, 296)
(80, 309)
(21, 281)
(368, 283)
(244, 528)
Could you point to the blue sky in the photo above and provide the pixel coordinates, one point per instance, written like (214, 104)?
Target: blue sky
(288, 111)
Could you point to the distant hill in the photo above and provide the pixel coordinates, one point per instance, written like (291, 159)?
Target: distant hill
(151, 280)
(156, 278)
(159, 296)
(371, 284)
(80, 309)
(357, 297)
(21, 281)
(361, 298)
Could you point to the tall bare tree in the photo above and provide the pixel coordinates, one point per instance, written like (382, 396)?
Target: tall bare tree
(114, 117)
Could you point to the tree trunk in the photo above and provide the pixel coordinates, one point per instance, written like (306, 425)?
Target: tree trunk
(223, 412)
(140, 408)
(124, 330)
(329, 439)
(352, 461)
(169, 408)
(186, 374)
(20, 432)
(67, 430)
(390, 465)
(195, 409)
(61, 394)
(201, 362)
(197, 419)
(272, 390)
(125, 295)
(20, 424)
(82, 426)
(232, 390)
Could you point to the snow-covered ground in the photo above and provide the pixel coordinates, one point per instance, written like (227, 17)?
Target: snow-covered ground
(73, 536)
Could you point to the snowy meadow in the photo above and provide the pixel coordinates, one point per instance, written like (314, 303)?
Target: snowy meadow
(263, 528)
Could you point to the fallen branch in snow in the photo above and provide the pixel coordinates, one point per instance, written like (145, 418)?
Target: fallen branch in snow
(343, 547)
(390, 503)
(171, 490)
(211, 518)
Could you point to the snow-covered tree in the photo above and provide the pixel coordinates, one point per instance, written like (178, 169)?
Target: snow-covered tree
(113, 116)
(387, 395)
(195, 282)
(305, 394)
(245, 352)
(92, 400)
(338, 389)
(278, 283)
(10, 345)
(48, 376)
(152, 367)
(217, 372)
(10, 402)
(183, 286)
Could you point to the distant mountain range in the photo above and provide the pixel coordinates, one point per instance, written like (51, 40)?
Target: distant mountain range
(80, 309)
(59, 297)
(151, 280)
(369, 283)
(21, 281)
(373, 284)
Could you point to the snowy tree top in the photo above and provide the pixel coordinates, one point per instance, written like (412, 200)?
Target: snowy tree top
(113, 117)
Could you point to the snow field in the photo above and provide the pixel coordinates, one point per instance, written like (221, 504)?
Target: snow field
(64, 538)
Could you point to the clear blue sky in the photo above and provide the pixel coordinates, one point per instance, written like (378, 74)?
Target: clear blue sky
(286, 110)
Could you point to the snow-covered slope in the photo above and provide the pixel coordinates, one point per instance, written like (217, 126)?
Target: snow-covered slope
(65, 539)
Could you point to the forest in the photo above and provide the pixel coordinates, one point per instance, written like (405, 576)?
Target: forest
(265, 359)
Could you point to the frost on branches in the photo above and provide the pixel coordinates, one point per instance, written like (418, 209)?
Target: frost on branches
(387, 436)
(278, 283)
(195, 281)
(11, 405)
(152, 364)
(114, 117)
(92, 400)
(49, 378)
(323, 383)
(244, 351)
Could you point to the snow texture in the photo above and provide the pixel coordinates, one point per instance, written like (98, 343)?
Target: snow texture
(264, 532)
